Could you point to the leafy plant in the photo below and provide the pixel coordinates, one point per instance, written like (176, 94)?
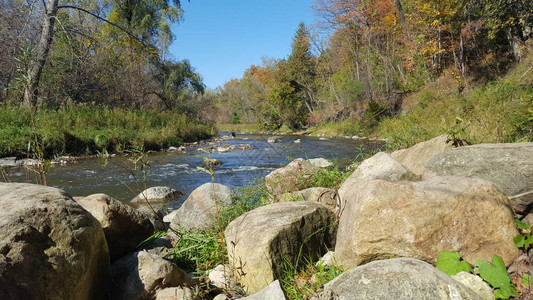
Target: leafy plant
(456, 133)
(524, 239)
(302, 283)
(496, 275)
(451, 263)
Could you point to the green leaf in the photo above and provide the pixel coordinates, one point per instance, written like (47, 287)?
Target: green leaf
(526, 280)
(449, 263)
(496, 275)
(521, 224)
(204, 170)
(523, 241)
(519, 241)
(528, 241)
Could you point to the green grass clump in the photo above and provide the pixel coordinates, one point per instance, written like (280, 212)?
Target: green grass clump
(202, 250)
(86, 129)
(328, 178)
(303, 283)
(498, 112)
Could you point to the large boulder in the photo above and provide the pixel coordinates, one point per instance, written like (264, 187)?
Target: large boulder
(380, 166)
(274, 139)
(476, 284)
(291, 177)
(416, 157)
(50, 247)
(320, 162)
(399, 278)
(272, 292)
(261, 241)
(157, 194)
(383, 219)
(200, 209)
(124, 226)
(508, 166)
(322, 195)
(139, 275)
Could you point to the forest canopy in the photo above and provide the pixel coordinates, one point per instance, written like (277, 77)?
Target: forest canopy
(364, 57)
(112, 52)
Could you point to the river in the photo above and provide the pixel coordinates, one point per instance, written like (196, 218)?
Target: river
(179, 170)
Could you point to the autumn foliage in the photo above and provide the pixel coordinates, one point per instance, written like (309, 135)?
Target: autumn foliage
(367, 55)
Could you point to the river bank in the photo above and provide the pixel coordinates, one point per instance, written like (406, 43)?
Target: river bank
(77, 130)
(265, 239)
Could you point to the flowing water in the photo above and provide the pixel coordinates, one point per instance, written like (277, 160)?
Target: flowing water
(179, 170)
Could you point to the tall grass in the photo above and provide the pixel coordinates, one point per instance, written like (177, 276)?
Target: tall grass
(78, 130)
(498, 112)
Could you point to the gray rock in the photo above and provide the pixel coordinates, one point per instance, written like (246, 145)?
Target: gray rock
(476, 284)
(175, 293)
(139, 275)
(416, 157)
(274, 139)
(50, 247)
(262, 240)
(199, 210)
(157, 194)
(380, 166)
(399, 278)
(292, 177)
(160, 246)
(168, 217)
(322, 195)
(508, 166)
(220, 277)
(271, 292)
(124, 227)
(155, 213)
(320, 163)
(13, 162)
(212, 162)
(382, 219)
(327, 260)
(221, 297)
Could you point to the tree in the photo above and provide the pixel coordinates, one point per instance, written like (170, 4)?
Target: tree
(301, 67)
(149, 21)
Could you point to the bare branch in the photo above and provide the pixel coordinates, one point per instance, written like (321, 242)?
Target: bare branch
(106, 21)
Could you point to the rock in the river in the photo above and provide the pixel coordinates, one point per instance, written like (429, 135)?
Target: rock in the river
(157, 194)
(139, 275)
(260, 241)
(50, 247)
(416, 157)
(399, 278)
(212, 162)
(291, 177)
(124, 227)
(274, 139)
(382, 219)
(508, 166)
(271, 292)
(199, 210)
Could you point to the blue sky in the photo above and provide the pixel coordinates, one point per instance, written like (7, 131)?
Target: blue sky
(223, 38)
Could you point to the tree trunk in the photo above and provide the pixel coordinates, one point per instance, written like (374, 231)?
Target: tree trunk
(401, 14)
(45, 42)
